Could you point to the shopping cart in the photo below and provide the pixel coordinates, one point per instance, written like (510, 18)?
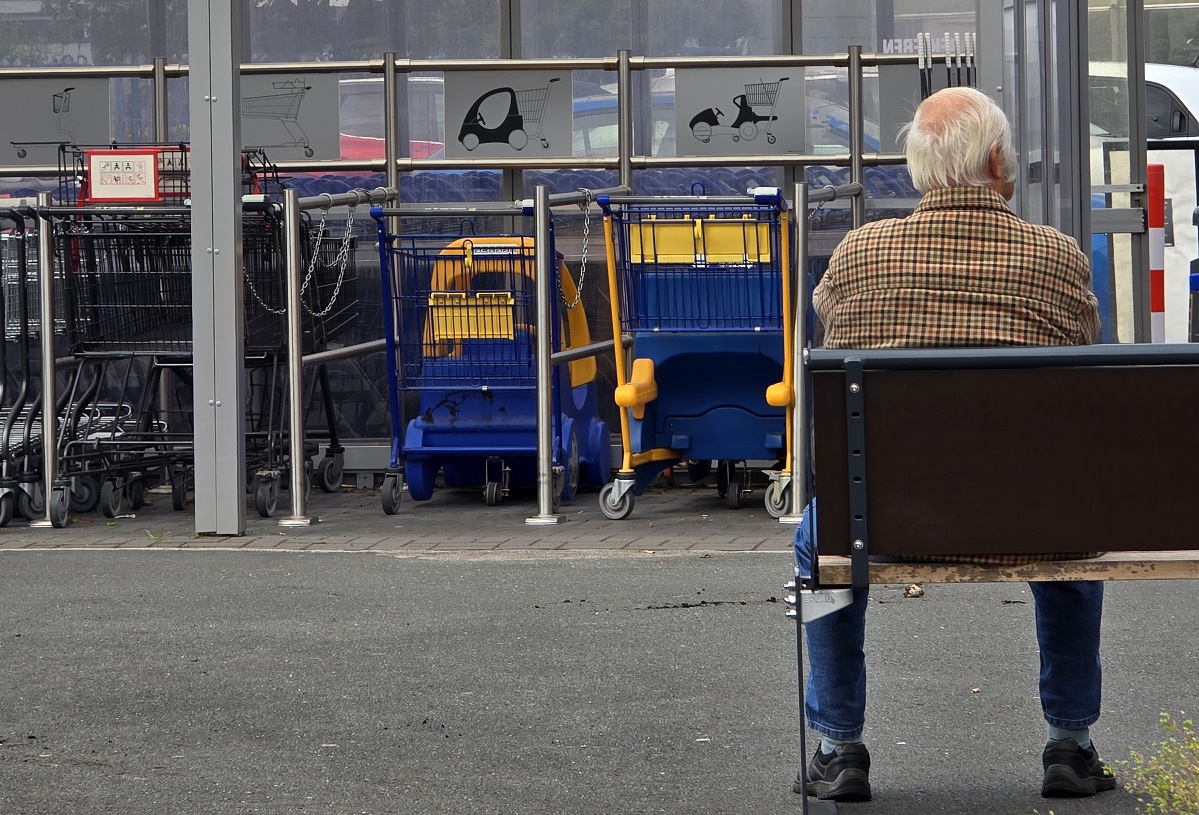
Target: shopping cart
(462, 369)
(284, 108)
(526, 108)
(700, 284)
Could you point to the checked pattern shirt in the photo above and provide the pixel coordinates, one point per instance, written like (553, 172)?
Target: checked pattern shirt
(962, 270)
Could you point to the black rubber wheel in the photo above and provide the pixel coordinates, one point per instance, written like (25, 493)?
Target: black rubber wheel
(734, 495)
(179, 492)
(111, 498)
(616, 510)
(329, 473)
(491, 493)
(570, 487)
(390, 494)
(31, 507)
(60, 507)
(266, 497)
(777, 499)
(84, 494)
(8, 502)
(136, 490)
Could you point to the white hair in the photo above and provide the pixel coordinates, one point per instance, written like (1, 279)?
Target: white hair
(949, 141)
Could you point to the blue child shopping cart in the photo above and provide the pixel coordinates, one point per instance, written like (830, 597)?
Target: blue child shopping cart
(701, 284)
(460, 336)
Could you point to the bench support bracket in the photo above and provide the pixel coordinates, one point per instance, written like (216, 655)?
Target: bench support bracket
(855, 416)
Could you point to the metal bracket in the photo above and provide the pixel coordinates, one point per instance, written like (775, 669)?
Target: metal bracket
(855, 421)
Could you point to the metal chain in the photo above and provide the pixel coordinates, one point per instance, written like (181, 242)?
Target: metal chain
(341, 259)
(586, 207)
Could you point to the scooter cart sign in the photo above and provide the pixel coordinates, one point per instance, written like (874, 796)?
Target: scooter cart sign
(522, 114)
(753, 111)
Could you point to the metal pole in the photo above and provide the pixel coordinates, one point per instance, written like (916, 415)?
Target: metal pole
(161, 120)
(295, 361)
(545, 440)
(45, 270)
(857, 121)
(799, 423)
(624, 117)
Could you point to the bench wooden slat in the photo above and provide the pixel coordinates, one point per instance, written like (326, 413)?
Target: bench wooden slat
(1172, 565)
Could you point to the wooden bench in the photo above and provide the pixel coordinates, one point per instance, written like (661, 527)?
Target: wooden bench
(1006, 450)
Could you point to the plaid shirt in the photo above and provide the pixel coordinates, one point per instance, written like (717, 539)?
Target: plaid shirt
(962, 270)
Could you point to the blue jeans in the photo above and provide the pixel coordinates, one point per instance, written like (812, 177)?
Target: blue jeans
(1068, 619)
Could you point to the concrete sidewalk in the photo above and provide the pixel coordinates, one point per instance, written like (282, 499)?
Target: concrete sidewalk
(668, 518)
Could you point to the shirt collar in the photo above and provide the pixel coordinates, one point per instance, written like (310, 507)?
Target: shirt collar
(962, 197)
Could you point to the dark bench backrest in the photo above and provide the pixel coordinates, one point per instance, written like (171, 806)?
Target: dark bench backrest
(1088, 449)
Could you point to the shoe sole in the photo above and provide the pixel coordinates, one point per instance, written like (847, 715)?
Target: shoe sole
(849, 785)
(1062, 782)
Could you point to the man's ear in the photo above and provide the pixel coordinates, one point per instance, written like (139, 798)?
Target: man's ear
(995, 164)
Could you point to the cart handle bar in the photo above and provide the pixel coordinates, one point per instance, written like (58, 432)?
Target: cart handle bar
(771, 196)
(831, 193)
(351, 198)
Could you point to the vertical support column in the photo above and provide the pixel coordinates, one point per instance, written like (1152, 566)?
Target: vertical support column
(857, 137)
(161, 117)
(218, 310)
(391, 131)
(624, 116)
(543, 349)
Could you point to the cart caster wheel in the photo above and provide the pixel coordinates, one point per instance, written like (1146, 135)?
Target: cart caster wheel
(179, 493)
(111, 498)
(308, 153)
(60, 508)
(491, 493)
(777, 499)
(266, 497)
(22, 152)
(421, 477)
(329, 473)
(725, 470)
(733, 499)
(31, 506)
(770, 137)
(7, 502)
(137, 493)
(570, 486)
(391, 494)
(616, 510)
(84, 494)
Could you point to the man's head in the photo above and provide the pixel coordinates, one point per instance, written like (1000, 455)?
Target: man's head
(959, 137)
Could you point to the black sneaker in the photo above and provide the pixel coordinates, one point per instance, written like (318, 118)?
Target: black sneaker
(1073, 772)
(843, 775)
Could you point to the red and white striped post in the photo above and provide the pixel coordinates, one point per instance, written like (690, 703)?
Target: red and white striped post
(1156, 189)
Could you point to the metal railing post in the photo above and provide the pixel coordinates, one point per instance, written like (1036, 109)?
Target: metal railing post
(799, 417)
(545, 438)
(295, 361)
(49, 370)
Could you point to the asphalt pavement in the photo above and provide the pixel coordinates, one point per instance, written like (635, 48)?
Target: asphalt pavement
(502, 669)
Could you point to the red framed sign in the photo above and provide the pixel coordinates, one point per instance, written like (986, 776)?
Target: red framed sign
(123, 175)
